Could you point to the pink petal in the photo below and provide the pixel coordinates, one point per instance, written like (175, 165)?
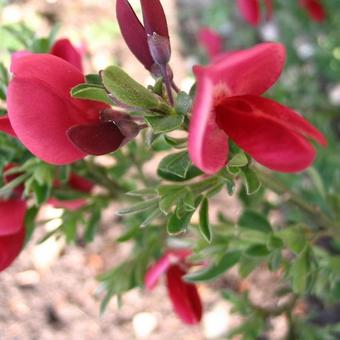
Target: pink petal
(250, 71)
(39, 98)
(5, 126)
(10, 247)
(250, 10)
(12, 215)
(208, 144)
(133, 33)
(154, 18)
(96, 138)
(63, 48)
(31, 103)
(184, 296)
(20, 54)
(314, 9)
(211, 41)
(269, 133)
(156, 271)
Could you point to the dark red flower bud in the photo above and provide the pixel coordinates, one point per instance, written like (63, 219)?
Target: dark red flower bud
(154, 18)
(133, 33)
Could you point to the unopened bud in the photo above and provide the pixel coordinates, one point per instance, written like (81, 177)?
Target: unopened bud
(159, 48)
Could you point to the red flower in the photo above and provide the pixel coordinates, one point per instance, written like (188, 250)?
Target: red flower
(54, 126)
(251, 11)
(184, 296)
(211, 41)
(228, 105)
(12, 230)
(314, 9)
(77, 183)
(149, 43)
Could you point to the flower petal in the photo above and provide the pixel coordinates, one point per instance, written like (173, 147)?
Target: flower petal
(184, 296)
(133, 33)
(96, 138)
(211, 41)
(12, 215)
(70, 205)
(250, 10)
(63, 48)
(10, 247)
(314, 9)
(268, 133)
(154, 18)
(156, 271)
(5, 126)
(208, 144)
(250, 71)
(41, 118)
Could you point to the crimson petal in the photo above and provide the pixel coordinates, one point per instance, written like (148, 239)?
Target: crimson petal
(63, 48)
(184, 296)
(268, 132)
(96, 138)
(156, 271)
(5, 126)
(12, 214)
(154, 18)
(10, 247)
(133, 33)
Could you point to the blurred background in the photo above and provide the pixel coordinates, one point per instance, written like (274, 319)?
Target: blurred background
(51, 291)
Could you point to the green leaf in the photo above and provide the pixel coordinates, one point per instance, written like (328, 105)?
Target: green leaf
(177, 143)
(139, 207)
(294, 238)
(254, 221)
(29, 222)
(210, 273)
(127, 90)
(299, 271)
(258, 250)
(91, 226)
(175, 165)
(183, 103)
(43, 174)
(151, 217)
(247, 265)
(41, 45)
(204, 225)
(69, 228)
(239, 160)
(252, 182)
(164, 124)
(166, 202)
(177, 225)
(148, 192)
(41, 192)
(93, 79)
(90, 92)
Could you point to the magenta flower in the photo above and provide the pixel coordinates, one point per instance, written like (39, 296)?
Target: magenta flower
(149, 43)
(184, 296)
(228, 105)
(52, 125)
(251, 10)
(211, 41)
